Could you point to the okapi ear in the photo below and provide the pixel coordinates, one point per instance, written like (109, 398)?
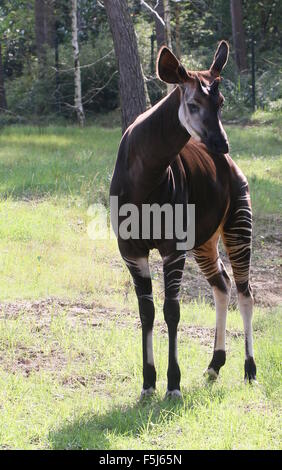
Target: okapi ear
(220, 58)
(169, 69)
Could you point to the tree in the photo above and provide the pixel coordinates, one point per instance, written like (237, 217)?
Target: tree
(160, 30)
(39, 27)
(77, 78)
(131, 79)
(3, 102)
(44, 27)
(238, 35)
(167, 23)
(169, 86)
(177, 31)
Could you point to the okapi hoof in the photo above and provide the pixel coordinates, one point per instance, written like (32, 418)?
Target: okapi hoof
(218, 360)
(250, 371)
(146, 393)
(173, 394)
(211, 373)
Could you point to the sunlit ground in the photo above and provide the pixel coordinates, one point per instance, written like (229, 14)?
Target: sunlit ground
(70, 341)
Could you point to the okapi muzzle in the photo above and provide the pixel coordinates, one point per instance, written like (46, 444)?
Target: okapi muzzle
(213, 134)
(215, 137)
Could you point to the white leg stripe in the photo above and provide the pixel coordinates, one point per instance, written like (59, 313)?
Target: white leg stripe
(140, 264)
(150, 355)
(246, 310)
(174, 271)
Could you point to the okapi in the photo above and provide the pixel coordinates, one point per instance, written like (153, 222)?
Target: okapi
(157, 163)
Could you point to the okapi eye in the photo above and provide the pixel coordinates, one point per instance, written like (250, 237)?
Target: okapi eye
(193, 108)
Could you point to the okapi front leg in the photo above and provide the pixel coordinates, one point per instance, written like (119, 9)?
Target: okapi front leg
(173, 266)
(139, 269)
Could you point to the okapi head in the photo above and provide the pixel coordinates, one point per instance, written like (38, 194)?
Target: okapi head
(201, 100)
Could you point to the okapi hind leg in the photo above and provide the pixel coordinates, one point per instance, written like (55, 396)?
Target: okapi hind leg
(237, 237)
(173, 266)
(207, 257)
(140, 272)
(246, 310)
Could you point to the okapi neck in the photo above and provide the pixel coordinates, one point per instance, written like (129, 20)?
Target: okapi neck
(157, 137)
(168, 133)
(173, 135)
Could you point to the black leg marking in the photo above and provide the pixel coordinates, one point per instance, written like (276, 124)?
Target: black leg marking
(250, 369)
(218, 360)
(250, 365)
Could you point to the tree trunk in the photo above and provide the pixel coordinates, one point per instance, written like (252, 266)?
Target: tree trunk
(238, 35)
(39, 10)
(177, 31)
(3, 102)
(131, 79)
(50, 30)
(44, 27)
(167, 23)
(77, 78)
(160, 30)
(147, 96)
(57, 90)
(168, 34)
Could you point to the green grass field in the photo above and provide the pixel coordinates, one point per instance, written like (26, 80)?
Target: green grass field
(70, 339)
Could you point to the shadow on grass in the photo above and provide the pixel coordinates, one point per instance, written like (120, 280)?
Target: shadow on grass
(55, 175)
(95, 431)
(77, 163)
(59, 165)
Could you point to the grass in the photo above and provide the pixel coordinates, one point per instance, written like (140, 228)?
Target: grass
(85, 394)
(70, 340)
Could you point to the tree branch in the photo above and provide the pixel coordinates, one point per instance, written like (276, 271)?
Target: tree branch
(154, 12)
(87, 65)
(98, 90)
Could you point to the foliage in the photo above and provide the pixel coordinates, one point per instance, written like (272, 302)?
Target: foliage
(34, 97)
(202, 24)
